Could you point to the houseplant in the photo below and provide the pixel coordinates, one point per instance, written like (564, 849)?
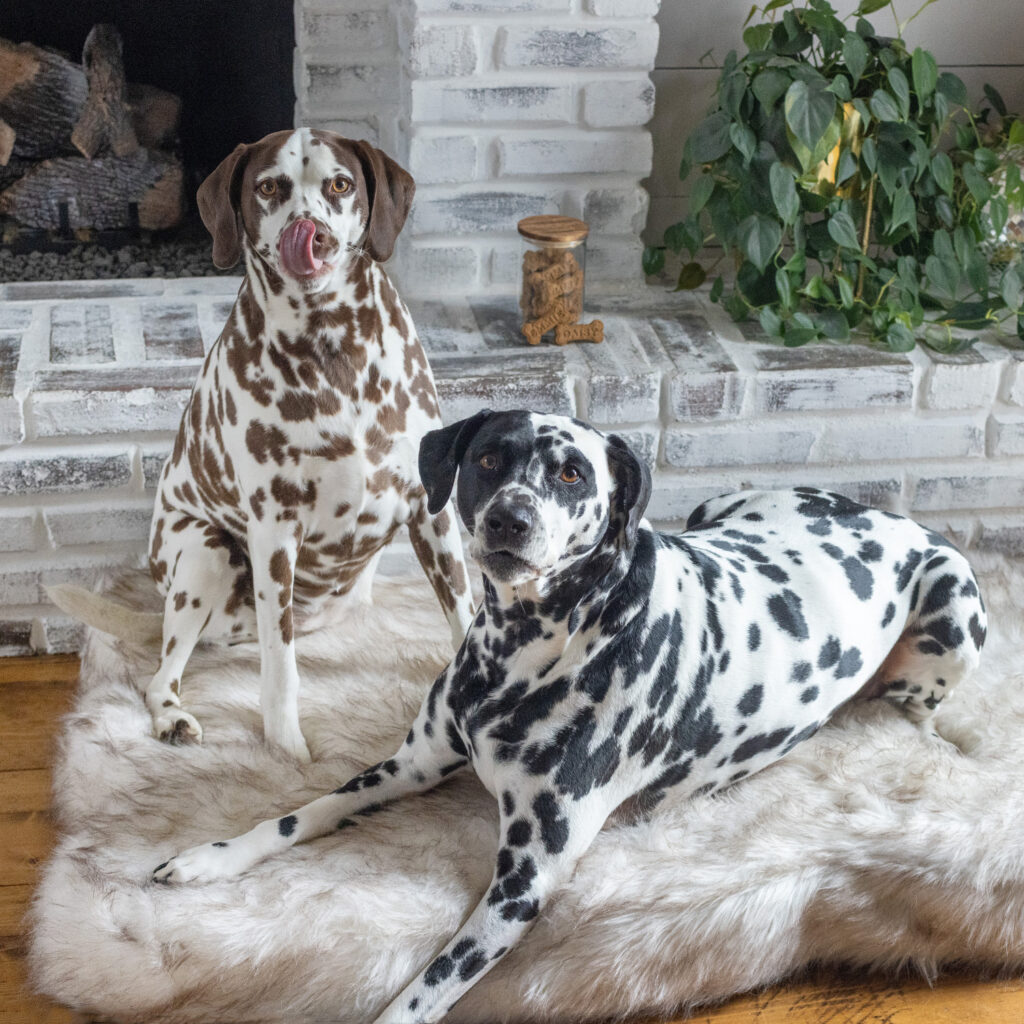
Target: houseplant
(826, 176)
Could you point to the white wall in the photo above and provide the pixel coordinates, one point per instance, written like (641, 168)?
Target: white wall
(981, 41)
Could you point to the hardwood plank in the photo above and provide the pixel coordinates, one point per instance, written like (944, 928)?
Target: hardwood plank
(25, 791)
(39, 669)
(28, 713)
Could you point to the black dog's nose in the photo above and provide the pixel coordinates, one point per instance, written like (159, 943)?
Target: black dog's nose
(508, 523)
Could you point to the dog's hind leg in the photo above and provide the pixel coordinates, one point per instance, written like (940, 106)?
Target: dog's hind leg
(424, 760)
(942, 641)
(542, 838)
(208, 593)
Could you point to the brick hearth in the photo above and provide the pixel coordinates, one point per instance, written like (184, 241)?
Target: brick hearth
(94, 376)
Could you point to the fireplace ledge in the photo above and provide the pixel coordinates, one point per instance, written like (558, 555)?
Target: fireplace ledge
(94, 376)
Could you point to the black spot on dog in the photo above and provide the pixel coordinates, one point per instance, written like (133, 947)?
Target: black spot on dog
(890, 612)
(759, 744)
(750, 702)
(830, 652)
(286, 825)
(977, 631)
(809, 695)
(849, 664)
(753, 637)
(786, 609)
(554, 828)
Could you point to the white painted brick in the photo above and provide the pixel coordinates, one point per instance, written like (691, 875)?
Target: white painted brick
(19, 586)
(623, 8)
(486, 211)
(61, 635)
(12, 421)
(441, 159)
(615, 211)
(746, 445)
(1015, 390)
(967, 380)
(619, 102)
(334, 87)
(674, 496)
(351, 31)
(31, 470)
(576, 153)
(154, 455)
(1004, 534)
(902, 440)
(969, 488)
(624, 383)
(555, 47)
(442, 51)
(493, 6)
(434, 102)
(98, 524)
(15, 635)
(644, 442)
(1006, 434)
(81, 413)
(614, 259)
(432, 270)
(17, 529)
(505, 267)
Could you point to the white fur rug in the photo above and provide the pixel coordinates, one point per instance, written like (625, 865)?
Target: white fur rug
(869, 844)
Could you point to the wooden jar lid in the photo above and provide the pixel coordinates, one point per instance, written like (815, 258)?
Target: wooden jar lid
(552, 228)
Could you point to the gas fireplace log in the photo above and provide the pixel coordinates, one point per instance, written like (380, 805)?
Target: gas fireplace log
(7, 137)
(43, 97)
(106, 121)
(105, 193)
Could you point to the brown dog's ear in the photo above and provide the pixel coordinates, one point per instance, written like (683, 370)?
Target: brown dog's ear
(391, 189)
(218, 200)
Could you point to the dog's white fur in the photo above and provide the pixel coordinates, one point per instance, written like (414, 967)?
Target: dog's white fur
(866, 844)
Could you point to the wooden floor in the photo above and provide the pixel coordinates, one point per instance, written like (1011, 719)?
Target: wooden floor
(35, 692)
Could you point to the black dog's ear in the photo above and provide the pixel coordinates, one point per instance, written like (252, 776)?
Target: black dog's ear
(632, 486)
(218, 200)
(441, 452)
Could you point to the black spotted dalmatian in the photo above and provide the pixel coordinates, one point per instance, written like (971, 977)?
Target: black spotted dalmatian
(610, 662)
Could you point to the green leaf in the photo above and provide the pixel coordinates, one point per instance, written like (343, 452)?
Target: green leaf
(730, 92)
(710, 139)
(758, 37)
(843, 231)
(810, 108)
(832, 324)
(944, 274)
(759, 238)
(771, 322)
(900, 337)
(684, 235)
(869, 154)
(986, 160)
(797, 263)
(904, 210)
(925, 72)
(977, 183)
(787, 202)
(942, 172)
(692, 275)
(901, 90)
(840, 88)
(701, 193)
(744, 140)
(769, 85)
(1016, 134)
(653, 260)
(855, 55)
(784, 287)
(845, 286)
(797, 336)
(992, 95)
(952, 88)
(884, 107)
(717, 288)
(870, 6)
(941, 338)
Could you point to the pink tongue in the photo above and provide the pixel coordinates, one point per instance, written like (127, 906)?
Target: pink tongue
(296, 248)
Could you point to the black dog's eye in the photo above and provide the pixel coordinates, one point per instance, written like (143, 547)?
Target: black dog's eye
(267, 187)
(570, 474)
(488, 461)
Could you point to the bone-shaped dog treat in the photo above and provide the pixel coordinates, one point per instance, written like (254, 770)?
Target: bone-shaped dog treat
(594, 331)
(534, 330)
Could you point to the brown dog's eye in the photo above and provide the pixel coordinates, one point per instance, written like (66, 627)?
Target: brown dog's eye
(569, 475)
(488, 461)
(267, 187)
(340, 185)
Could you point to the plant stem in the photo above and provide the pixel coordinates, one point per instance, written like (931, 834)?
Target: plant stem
(867, 236)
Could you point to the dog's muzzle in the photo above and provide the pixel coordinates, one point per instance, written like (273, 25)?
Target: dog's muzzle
(506, 536)
(305, 246)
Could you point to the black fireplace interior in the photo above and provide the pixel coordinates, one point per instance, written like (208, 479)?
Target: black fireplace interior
(230, 62)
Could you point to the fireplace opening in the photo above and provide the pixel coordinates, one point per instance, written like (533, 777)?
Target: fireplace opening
(192, 79)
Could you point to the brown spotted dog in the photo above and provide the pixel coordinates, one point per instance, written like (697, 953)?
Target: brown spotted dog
(295, 463)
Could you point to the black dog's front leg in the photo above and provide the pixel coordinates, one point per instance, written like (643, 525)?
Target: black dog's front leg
(541, 841)
(424, 760)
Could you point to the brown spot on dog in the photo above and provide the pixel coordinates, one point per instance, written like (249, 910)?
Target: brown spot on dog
(281, 574)
(266, 441)
(289, 494)
(180, 600)
(256, 500)
(170, 645)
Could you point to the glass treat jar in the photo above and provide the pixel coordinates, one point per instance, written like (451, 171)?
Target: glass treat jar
(554, 270)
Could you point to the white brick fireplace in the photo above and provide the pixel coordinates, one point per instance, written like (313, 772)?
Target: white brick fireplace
(500, 109)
